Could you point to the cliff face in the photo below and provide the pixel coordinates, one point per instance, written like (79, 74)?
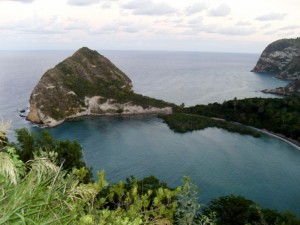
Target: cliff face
(282, 58)
(87, 83)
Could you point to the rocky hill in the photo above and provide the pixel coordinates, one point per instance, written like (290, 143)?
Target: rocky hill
(282, 58)
(87, 83)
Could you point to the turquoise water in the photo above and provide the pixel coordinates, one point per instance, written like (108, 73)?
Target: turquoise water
(265, 170)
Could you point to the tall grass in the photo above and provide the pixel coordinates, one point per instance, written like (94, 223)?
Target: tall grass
(45, 195)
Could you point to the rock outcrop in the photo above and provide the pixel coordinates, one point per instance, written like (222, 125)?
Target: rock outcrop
(282, 58)
(87, 83)
(292, 89)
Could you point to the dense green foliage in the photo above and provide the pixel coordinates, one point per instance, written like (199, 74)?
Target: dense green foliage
(180, 122)
(111, 89)
(278, 115)
(45, 194)
(282, 44)
(66, 153)
(237, 210)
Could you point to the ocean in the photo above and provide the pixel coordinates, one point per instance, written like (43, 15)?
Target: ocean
(265, 170)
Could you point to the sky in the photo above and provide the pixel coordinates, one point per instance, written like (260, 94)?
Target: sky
(245, 26)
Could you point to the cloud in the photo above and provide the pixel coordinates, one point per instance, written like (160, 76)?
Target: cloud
(281, 33)
(271, 16)
(286, 31)
(119, 26)
(196, 8)
(197, 26)
(23, 1)
(292, 27)
(148, 7)
(233, 31)
(106, 5)
(75, 24)
(195, 22)
(41, 26)
(82, 2)
(220, 11)
(266, 26)
(243, 23)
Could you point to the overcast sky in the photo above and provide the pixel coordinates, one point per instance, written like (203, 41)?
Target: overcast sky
(181, 25)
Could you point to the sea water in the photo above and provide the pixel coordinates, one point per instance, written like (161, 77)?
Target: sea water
(264, 169)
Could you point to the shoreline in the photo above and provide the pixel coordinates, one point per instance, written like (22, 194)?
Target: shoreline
(281, 137)
(290, 141)
(93, 115)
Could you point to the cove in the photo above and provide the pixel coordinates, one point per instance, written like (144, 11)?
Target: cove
(263, 169)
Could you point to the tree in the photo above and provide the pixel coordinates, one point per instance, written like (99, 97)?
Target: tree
(66, 153)
(188, 210)
(235, 210)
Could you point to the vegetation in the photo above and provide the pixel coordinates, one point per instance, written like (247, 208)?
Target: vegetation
(238, 210)
(67, 154)
(62, 90)
(3, 138)
(188, 210)
(282, 44)
(110, 90)
(40, 191)
(48, 195)
(113, 85)
(182, 123)
(278, 115)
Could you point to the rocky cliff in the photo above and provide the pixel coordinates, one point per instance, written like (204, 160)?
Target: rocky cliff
(282, 58)
(87, 83)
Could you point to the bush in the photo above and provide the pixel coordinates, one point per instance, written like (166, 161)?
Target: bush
(66, 153)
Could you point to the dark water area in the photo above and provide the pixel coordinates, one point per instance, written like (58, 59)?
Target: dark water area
(264, 169)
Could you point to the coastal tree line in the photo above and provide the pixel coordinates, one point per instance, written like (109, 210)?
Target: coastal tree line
(278, 115)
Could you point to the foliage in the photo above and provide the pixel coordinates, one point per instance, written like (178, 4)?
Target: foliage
(279, 115)
(148, 199)
(3, 128)
(110, 89)
(49, 195)
(238, 210)
(233, 210)
(62, 152)
(188, 210)
(180, 122)
(87, 74)
(281, 44)
(41, 192)
(275, 217)
(45, 195)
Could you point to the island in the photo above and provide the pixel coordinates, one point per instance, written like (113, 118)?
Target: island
(84, 84)
(87, 83)
(282, 58)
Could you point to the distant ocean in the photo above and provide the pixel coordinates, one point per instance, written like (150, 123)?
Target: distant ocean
(264, 169)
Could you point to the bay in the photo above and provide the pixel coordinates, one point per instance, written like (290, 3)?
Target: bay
(264, 169)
